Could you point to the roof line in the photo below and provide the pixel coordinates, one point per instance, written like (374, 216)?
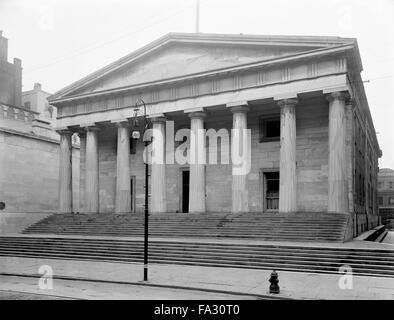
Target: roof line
(283, 59)
(201, 37)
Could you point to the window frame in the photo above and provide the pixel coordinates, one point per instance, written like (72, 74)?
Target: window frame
(263, 119)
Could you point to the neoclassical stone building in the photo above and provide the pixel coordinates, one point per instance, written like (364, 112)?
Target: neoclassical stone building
(313, 145)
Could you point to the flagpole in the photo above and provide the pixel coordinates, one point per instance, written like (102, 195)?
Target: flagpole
(197, 15)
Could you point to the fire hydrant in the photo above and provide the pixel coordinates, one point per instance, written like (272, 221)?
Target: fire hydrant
(274, 287)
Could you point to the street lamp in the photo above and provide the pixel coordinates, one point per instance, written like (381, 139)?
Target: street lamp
(136, 136)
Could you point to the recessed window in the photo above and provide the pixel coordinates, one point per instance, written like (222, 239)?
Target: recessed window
(380, 201)
(27, 105)
(269, 128)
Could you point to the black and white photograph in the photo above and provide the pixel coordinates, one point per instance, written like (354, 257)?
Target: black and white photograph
(198, 154)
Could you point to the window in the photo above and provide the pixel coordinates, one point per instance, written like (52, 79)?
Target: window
(391, 201)
(391, 184)
(269, 128)
(27, 105)
(380, 201)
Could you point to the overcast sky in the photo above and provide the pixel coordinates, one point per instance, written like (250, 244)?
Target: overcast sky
(60, 41)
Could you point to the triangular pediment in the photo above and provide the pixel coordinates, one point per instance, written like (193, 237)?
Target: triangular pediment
(178, 55)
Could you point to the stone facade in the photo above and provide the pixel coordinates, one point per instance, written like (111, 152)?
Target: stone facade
(29, 150)
(235, 83)
(386, 195)
(30, 172)
(312, 163)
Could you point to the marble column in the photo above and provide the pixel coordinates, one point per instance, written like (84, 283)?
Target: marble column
(123, 183)
(82, 162)
(197, 163)
(240, 146)
(337, 177)
(287, 167)
(158, 191)
(65, 172)
(92, 171)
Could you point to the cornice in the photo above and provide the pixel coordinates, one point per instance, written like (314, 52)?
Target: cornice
(198, 38)
(207, 74)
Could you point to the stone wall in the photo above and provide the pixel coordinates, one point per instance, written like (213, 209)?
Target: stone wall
(312, 162)
(29, 172)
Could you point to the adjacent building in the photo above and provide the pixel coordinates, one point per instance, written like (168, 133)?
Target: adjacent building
(312, 142)
(29, 158)
(36, 100)
(10, 76)
(386, 194)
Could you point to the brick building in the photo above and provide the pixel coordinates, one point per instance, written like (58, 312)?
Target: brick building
(313, 146)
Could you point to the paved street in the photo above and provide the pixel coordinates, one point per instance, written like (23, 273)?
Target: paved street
(25, 288)
(14, 295)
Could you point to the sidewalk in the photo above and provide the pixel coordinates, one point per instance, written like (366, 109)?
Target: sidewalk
(293, 285)
(22, 288)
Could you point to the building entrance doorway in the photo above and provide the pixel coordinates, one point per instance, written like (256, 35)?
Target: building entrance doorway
(270, 191)
(185, 179)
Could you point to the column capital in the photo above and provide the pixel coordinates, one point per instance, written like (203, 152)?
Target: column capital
(158, 118)
(122, 124)
(91, 127)
(197, 115)
(287, 102)
(239, 106)
(122, 120)
(338, 95)
(65, 131)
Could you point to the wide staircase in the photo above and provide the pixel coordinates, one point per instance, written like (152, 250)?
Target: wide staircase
(298, 258)
(274, 227)
(216, 240)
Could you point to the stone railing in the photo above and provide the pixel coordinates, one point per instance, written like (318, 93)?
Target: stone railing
(17, 113)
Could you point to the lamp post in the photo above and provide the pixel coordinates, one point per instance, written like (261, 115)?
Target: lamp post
(136, 135)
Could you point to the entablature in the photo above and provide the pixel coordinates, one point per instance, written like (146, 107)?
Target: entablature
(232, 80)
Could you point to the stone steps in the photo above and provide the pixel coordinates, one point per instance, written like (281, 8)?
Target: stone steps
(282, 227)
(292, 258)
(377, 262)
(284, 237)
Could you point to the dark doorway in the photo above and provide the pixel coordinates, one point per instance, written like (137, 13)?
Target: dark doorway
(185, 190)
(271, 191)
